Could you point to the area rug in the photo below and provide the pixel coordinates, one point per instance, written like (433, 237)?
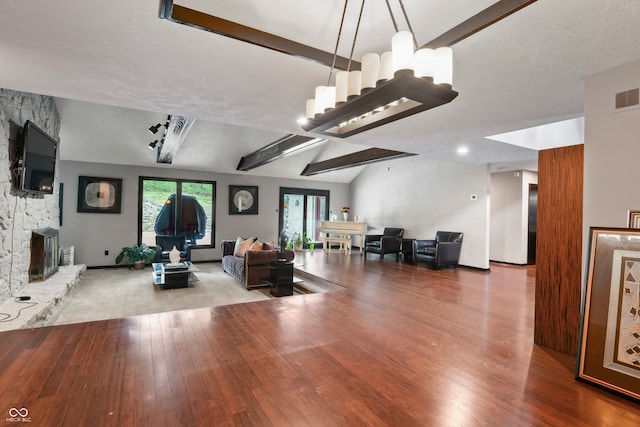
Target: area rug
(114, 293)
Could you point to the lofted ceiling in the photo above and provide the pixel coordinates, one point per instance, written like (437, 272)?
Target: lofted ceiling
(116, 68)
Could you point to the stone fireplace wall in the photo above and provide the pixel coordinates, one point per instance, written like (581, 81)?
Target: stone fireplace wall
(19, 214)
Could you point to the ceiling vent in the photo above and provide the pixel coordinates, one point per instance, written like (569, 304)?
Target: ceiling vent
(627, 100)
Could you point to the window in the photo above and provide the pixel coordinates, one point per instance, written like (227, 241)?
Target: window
(301, 211)
(176, 207)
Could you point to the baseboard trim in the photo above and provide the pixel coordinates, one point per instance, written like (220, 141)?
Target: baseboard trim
(96, 267)
(475, 268)
(509, 263)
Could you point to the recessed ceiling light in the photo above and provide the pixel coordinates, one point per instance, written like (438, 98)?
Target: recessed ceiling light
(462, 150)
(302, 120)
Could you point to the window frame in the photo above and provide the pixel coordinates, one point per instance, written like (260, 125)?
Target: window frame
(179, 182)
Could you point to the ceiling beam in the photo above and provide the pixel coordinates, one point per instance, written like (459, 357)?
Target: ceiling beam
(477, 22)
(193, 18)
(360, 158)
(283, 147)
(174, 136)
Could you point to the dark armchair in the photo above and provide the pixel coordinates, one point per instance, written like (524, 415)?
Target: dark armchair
(389, 242)
(443, 250)
(165, 243)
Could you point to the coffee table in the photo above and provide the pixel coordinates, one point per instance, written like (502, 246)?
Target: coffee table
(172, 276)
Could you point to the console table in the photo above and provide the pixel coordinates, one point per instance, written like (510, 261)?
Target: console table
(172, 276)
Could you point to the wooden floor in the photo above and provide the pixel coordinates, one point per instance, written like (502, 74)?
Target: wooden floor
(402, 346)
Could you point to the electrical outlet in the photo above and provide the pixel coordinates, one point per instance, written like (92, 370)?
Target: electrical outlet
(106, 253)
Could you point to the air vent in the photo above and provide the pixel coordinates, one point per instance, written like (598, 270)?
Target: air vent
(628, 99)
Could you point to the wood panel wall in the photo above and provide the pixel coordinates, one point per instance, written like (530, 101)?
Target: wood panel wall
(559, 248)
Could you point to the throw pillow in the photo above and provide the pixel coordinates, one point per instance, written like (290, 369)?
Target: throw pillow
(268, 246)
(256, 246)
(242, 246)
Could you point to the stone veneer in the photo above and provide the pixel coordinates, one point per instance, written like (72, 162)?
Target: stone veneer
(19, 214)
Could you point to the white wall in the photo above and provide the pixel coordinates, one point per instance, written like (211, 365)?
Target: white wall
(424, 195)
(611, 151)
(509, 215)
(93, 233)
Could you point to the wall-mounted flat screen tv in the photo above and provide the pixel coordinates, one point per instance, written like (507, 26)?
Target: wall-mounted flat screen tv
(38, 160)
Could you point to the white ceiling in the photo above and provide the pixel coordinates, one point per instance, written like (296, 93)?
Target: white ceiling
(115, 69)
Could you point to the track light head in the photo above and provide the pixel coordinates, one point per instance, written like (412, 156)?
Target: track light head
(153, 145)
(154, 129)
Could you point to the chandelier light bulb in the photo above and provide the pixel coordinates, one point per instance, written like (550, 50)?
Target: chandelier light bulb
(354, 84)
(319, 104)
(370, 69)
(424, 62)
(329, 97)
(342, 79)
(386, 67)
(402, 48)
(443, 72)
(311, 108)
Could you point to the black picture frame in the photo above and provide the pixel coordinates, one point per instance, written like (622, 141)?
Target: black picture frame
(99, 195)
(239, 195)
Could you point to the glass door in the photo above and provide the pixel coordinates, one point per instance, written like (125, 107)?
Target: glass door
(301, 213)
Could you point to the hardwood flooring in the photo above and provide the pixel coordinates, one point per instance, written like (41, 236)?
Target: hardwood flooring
(402, 346)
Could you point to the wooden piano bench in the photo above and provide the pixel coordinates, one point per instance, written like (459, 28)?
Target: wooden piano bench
(345, 243)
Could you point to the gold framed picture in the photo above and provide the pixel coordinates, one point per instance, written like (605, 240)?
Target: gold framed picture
(609, 351)
(633, 219)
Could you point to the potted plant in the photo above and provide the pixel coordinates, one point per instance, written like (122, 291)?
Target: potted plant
(296, 242)
(137, 255)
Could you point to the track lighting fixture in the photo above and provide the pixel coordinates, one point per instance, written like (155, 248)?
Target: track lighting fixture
(153, 145)
(154, 129)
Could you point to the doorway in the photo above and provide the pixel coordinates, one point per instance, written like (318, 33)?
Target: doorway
(532, 224)
(301, 212)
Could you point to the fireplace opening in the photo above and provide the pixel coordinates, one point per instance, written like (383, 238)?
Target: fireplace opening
(44, 254)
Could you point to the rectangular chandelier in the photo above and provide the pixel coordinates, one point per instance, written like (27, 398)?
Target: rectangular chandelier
(391, 100)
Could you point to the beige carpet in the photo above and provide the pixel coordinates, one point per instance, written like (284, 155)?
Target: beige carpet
(113, 293)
